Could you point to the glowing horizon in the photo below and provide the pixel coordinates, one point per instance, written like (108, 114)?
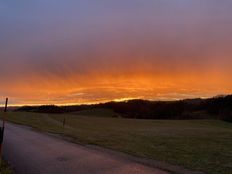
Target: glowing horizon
(68, 52)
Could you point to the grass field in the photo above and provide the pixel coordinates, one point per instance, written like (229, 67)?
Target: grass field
(5, 169)
(204, 145)
(97, 113)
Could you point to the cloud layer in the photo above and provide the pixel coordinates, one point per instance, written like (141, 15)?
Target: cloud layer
(89, 51)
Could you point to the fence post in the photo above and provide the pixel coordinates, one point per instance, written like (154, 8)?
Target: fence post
(2, 130)
(64, 122)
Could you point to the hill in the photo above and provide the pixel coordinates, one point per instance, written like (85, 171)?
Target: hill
(212, 108)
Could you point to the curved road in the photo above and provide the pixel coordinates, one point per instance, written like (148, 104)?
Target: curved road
(30, 152)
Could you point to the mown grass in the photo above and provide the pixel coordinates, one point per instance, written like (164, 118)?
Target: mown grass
(204, 145)
(98, 112)
(5, 168)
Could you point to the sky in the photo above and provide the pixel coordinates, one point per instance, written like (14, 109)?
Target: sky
(88, 51)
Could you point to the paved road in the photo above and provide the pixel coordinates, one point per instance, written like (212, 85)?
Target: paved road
(30, 152)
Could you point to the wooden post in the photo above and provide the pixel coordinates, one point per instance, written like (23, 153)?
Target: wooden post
(2, 130)
(5, 110)
(64, 121)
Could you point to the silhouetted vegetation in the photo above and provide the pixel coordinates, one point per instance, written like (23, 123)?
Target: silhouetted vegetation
(220, 107)
(213, 108)
(42, 109)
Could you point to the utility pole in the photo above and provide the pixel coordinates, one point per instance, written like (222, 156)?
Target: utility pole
(2, 130)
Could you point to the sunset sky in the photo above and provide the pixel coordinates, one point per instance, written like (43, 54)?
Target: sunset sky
(88, 51)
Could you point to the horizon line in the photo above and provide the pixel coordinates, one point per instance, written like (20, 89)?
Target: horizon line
(107, 101)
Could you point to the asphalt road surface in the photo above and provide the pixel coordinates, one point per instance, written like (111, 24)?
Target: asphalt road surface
(30, 152)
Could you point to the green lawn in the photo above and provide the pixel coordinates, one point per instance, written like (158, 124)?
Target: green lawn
(204, 145)
(5, 169)
(97, 113)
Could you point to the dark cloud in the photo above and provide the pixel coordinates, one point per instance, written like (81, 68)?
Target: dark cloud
(62, 39)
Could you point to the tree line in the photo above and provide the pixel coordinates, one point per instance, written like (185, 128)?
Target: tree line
(213, 108)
